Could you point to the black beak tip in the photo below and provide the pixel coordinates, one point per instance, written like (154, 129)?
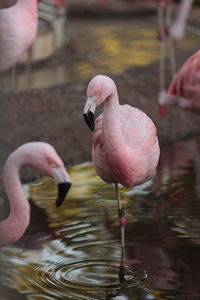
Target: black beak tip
(89, 119)
(63, 189)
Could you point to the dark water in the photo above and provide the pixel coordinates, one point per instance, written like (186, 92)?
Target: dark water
(74, 252)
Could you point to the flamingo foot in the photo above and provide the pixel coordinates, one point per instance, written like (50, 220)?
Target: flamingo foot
(162, 111)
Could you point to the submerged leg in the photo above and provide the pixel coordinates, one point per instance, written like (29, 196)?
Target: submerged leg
(29, 66)
(14, 77)
(122, 220)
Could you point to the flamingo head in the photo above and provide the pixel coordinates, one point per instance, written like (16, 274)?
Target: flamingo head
(44, 158)
(99, 89)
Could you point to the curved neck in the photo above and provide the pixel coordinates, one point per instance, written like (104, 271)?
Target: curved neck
(111, 115)
(184, 11)
(112, 131)
(30, 6)
(14, 226)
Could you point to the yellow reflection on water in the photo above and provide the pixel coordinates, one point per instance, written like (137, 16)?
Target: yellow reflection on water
(113, 47)
(83, 234)
(108, 46)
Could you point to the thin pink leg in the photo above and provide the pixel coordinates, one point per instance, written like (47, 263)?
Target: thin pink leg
(122, 220)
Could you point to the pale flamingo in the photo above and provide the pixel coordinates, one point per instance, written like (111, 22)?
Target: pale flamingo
(125, 147)
(184, 89)
(18, 28)
(44, 158)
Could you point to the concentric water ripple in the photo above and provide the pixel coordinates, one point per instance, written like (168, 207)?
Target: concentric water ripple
(91, 275)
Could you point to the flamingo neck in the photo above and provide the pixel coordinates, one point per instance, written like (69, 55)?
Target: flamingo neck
(14, 226)
(179, 25)
(184, 11)
(112, 132)
(111, 113)
(30, 6)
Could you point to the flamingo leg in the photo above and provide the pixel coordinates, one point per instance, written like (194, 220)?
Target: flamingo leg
(122, 220)
(14, 77)
(161, 45)
(29, 66)
(162, 111)
(170, 43)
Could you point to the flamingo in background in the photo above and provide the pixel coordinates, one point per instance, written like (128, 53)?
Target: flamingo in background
(184, 89)
(18, 28)
(125, 147)
(44, 158)
(170, 33)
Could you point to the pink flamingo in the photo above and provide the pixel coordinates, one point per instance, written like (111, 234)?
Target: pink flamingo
(125, 147)
(44, 158)
(184, 89)
(170, 32)
(18, 28)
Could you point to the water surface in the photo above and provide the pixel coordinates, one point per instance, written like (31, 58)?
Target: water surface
(95, 47)
(74, 252)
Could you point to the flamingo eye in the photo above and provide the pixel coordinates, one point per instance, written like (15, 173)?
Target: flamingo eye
(51, 163)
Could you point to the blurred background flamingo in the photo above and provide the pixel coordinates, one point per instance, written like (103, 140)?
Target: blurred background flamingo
(18, 28)
(168, 30)
(44, 158)
(184, 89)
(125, 147)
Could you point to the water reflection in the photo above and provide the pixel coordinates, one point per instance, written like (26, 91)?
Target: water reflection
(74, 252)
(110, 45)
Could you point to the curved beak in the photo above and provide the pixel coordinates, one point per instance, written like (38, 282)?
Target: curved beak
(63, 181)
(89, 110)
(63, 189)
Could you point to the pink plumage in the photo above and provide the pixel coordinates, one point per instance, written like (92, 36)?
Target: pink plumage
(125, 147)
(18, 28)
(184, 89)
(44, 158)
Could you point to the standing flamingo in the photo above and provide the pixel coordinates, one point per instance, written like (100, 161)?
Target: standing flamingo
(169, 32)
(125, 147)
(18, 28)
(184, 89)
(44, 158)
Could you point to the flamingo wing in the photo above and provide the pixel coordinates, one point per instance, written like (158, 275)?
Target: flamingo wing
(140, 134)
